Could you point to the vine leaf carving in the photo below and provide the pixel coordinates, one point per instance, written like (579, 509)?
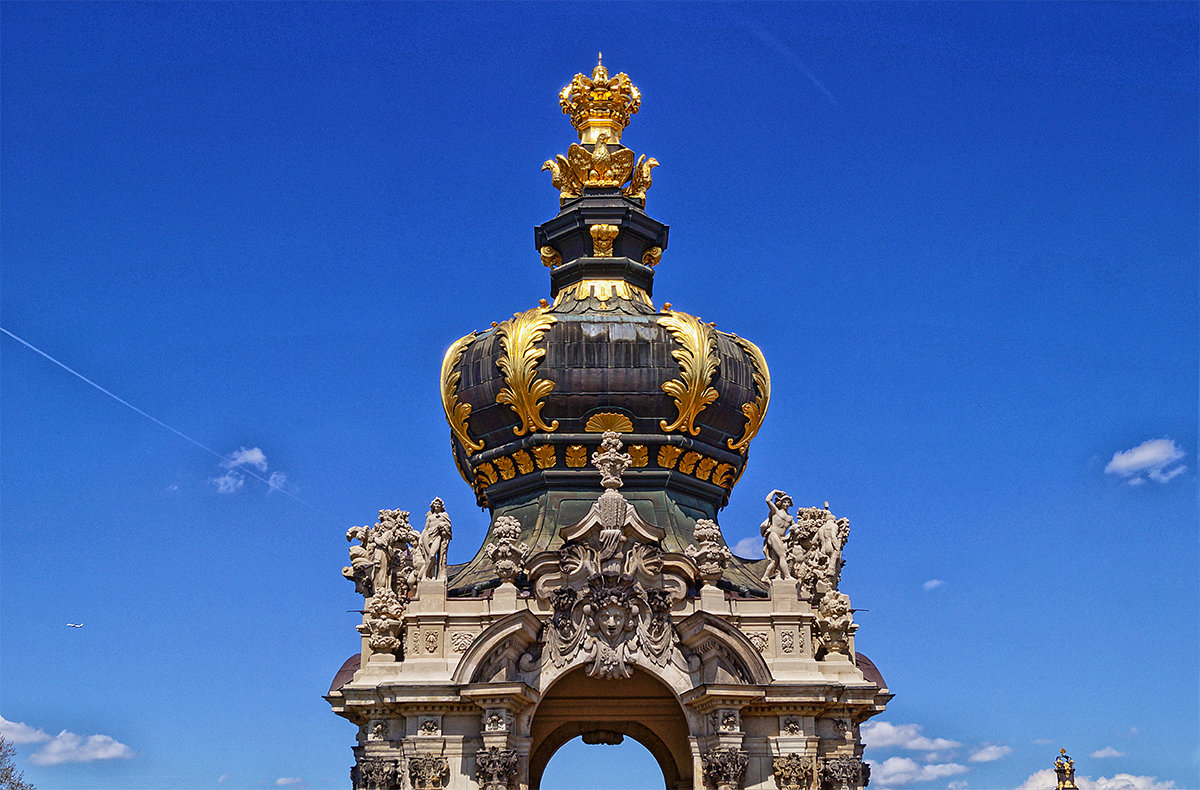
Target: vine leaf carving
(697, 360)
(756, 410)
(456, 411)
(518, 362)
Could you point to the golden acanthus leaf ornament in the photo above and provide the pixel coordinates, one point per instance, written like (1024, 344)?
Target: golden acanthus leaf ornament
(756, 410)
(518, 361)
(697, 360)
(456, 411)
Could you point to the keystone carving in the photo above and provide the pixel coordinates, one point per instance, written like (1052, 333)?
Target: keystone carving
(795, 772)
(610, 603)
(428, 772)
(724, 769)
(495, 768)
(505, 553)
(710, 554)
(375, 773)
(845, 772)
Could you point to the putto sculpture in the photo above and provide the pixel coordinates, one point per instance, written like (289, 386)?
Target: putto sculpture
(603, 435)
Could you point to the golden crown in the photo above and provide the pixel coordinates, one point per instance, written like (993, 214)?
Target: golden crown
(599, 105)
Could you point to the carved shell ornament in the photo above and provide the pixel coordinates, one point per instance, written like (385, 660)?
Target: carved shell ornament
(697, 360)
(456, 411)
(524, 391)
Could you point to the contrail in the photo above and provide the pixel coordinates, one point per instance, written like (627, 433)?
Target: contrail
(152, 418)
(770, 40)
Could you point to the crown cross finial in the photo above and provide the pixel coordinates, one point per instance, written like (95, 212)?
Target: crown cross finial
(599, 105)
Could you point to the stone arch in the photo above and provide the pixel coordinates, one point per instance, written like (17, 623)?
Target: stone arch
(641, 707)
(725, 653)
(499, 646)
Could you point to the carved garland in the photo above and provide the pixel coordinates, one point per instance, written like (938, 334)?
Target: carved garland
(518, 362)
(756, 410)
(698, 364)
(457, 412)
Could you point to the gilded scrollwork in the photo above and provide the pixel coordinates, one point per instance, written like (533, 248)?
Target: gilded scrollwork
(457, 412)
(652, 256)
(756, 410)
(524, 391)
(604, 291)
(697, 360)
(550, 257)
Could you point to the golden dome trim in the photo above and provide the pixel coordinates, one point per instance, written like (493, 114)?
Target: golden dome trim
(608, 421)
(756, 410)
(518, 361)
(697, 360)
(456, 411)
(604, 291)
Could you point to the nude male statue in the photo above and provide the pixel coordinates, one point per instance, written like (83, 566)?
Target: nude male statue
(774, 531)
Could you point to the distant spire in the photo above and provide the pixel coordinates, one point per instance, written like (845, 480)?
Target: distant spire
(1064, 766)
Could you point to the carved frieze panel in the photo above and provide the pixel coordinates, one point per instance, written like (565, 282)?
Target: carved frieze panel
(496, 768)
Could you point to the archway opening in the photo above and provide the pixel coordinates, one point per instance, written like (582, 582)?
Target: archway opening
(602, 766)
(596, 712)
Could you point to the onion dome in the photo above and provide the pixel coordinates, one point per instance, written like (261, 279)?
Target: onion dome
(529, 398)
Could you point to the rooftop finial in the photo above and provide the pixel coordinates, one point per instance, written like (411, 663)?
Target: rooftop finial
(1064, 767)
(600, 105)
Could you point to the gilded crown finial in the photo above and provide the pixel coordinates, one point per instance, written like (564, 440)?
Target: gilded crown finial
(599, 105)
(600, 109)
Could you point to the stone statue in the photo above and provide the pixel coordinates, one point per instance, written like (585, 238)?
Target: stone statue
(383, 561)
(817, 541)
(775, 531)
(505, 553)
(834, 618)
(435, 541)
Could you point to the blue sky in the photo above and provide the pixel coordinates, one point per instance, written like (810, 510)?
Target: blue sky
(964, 235)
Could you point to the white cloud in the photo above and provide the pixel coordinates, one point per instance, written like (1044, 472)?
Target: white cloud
(958, 784)
(1045, 779)
(284, 781)
(881, 734)
(749, 547)
(276, 481)
(67, 747)
(17, 732)
(897, 771)
(246, 457)
(229, 483)
(1107, 751)
(1154, 458)
(222, 778)
(932, 584)
(989, 753)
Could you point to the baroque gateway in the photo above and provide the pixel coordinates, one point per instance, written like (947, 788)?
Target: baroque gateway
(604, 434)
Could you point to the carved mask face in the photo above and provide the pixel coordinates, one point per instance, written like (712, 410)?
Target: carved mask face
(611, 621)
